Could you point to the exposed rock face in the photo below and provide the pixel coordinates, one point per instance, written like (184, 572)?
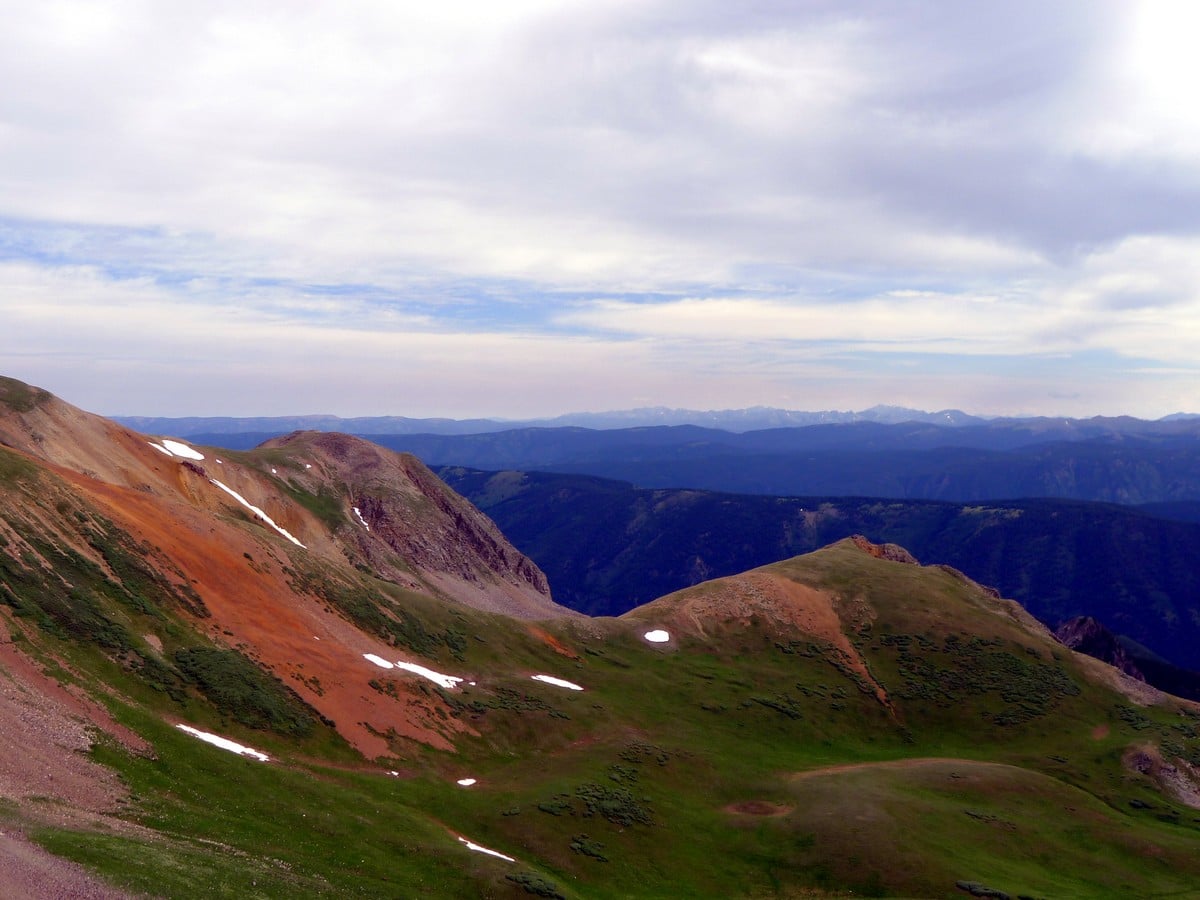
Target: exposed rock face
(411, 528)
(1085, 634)
(1180, 779)
(892, 552)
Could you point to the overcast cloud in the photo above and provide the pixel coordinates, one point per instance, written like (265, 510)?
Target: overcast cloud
(534, 207)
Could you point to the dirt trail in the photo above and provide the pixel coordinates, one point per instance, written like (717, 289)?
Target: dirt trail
(30, 873)
(45, 773)
(893, 764)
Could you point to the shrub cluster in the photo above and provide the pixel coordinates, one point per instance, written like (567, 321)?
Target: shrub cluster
(243, 691)
(370, 613)
(536, 885)
(946, 673)
(615, 805)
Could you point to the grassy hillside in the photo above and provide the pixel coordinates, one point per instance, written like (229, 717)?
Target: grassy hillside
(837, 724)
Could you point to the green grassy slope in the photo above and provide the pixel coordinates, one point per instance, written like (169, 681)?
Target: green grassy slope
(748, 757)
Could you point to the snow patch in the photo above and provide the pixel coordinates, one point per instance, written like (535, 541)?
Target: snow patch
(658, 636)
(273, 471)
(161, 449)
(557, 682)
(257, 511)
(480, 849)
(224, 743)
(360, 518)
(466, 782)
(446, 681)
(178, 449)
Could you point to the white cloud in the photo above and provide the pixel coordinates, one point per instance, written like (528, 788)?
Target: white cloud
(388, 188)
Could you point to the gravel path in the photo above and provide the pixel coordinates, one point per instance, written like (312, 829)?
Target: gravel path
(27, 872)
(47, 778)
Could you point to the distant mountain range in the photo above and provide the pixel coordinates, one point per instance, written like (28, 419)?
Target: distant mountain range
(1118, 460)
(755, 418)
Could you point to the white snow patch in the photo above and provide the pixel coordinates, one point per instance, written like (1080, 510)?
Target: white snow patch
(219, 463)
(557, 682)
(466, 782)
(161, 449)
(183, 450)
(394, 773)
(360, 518)
(446, 681)
(258, 512)
(479, 849)
(274, 472)
(658, 636)
(308, 465)
(224, 743)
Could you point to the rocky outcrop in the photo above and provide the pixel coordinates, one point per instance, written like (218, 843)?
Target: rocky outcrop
(1086, 635)
(890, 552)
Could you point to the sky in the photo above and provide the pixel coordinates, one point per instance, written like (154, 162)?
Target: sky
(544, 206)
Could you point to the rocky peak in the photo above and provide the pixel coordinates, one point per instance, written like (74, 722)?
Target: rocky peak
(1086, 635)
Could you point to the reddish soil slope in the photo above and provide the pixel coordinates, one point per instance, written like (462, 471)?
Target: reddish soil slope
(249, 577)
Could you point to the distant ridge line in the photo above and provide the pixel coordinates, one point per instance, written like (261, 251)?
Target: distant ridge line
(732, 420)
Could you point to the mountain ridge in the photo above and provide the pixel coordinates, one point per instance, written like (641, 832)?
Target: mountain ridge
(310, 710)
(755, 418)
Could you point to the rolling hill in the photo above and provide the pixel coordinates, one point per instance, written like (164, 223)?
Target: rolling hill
(310, 670)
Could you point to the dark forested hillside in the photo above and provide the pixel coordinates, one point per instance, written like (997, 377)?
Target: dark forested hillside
(607, 546)
(1113, 473)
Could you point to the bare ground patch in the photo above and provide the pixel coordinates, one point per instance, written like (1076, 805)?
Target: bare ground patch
(48, 779)
(759, 808)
